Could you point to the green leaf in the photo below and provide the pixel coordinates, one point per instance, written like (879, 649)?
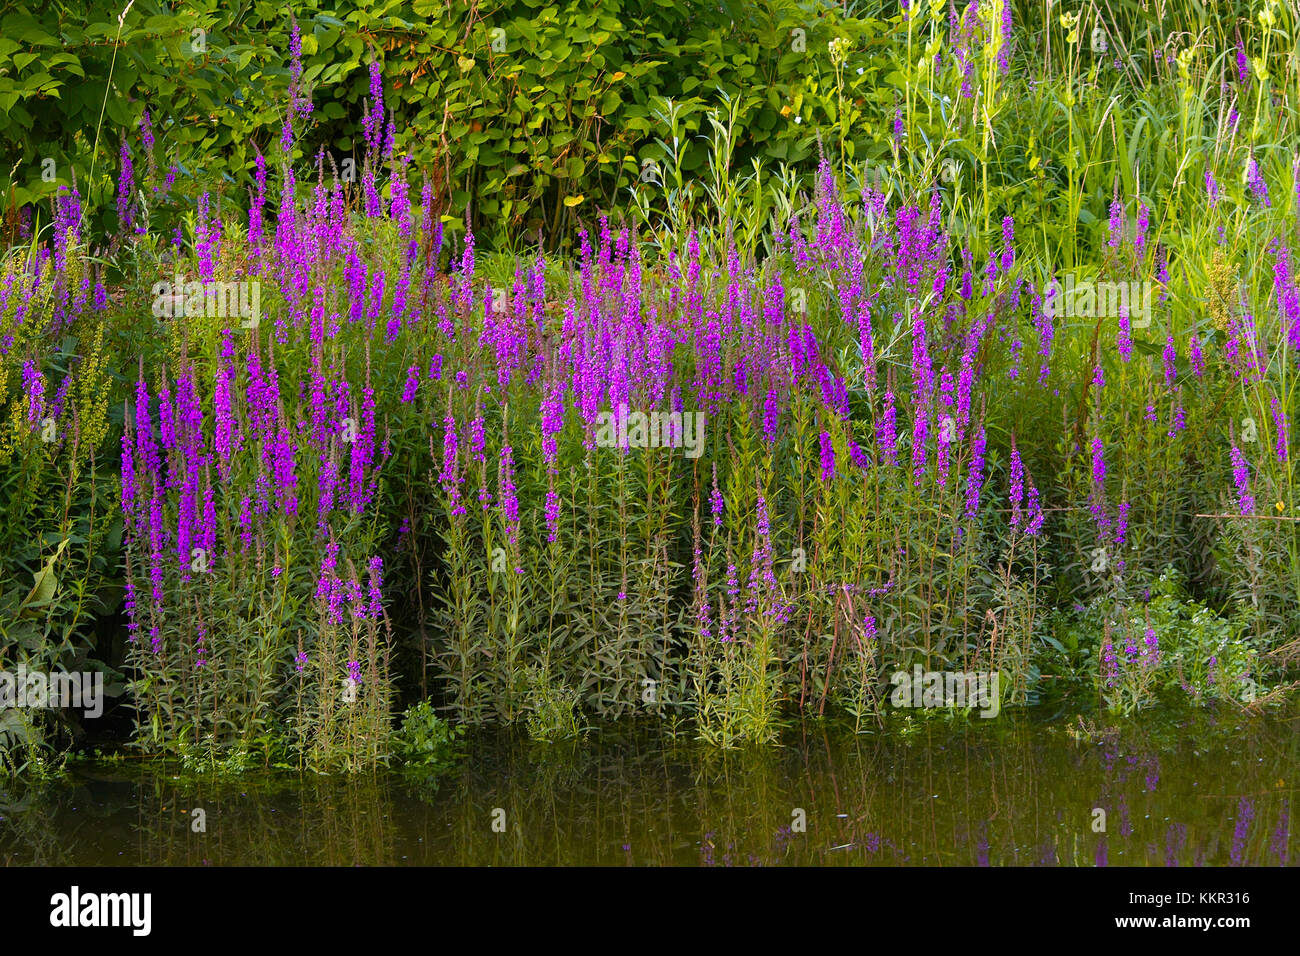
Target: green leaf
(45, 581)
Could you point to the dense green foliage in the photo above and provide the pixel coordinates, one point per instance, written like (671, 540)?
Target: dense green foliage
(539, 112)
(543, 113)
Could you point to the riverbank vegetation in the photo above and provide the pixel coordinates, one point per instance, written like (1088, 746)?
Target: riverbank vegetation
(961, 337)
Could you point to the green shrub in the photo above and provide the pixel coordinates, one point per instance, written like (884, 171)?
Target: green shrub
(427, 741)
(1161, 643)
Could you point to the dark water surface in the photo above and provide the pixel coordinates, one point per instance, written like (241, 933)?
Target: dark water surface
(1201, 790)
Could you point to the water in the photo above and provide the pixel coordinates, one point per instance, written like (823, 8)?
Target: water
(1200, 790)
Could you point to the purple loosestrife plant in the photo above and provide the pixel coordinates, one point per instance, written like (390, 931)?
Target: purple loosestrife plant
(509, 496)
(886, 433)
(1121, 524)
(1179, 423)
(1124, 339)
(34, 388)
(715, 499)
(1281, 445)
(1116, 224)
(1017, 486)
(1004, 49)
(975, 477)
(1109, 664)
(412, 383)
(1150, 648)
(1098, 464)
(125, 191)
(1258, 187)
(1241, 478)
(827, 456)
(450, 475)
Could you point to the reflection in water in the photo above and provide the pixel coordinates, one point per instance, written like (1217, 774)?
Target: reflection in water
(1203, 792)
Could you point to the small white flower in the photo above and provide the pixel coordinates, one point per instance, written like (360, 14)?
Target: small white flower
(798, 119)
